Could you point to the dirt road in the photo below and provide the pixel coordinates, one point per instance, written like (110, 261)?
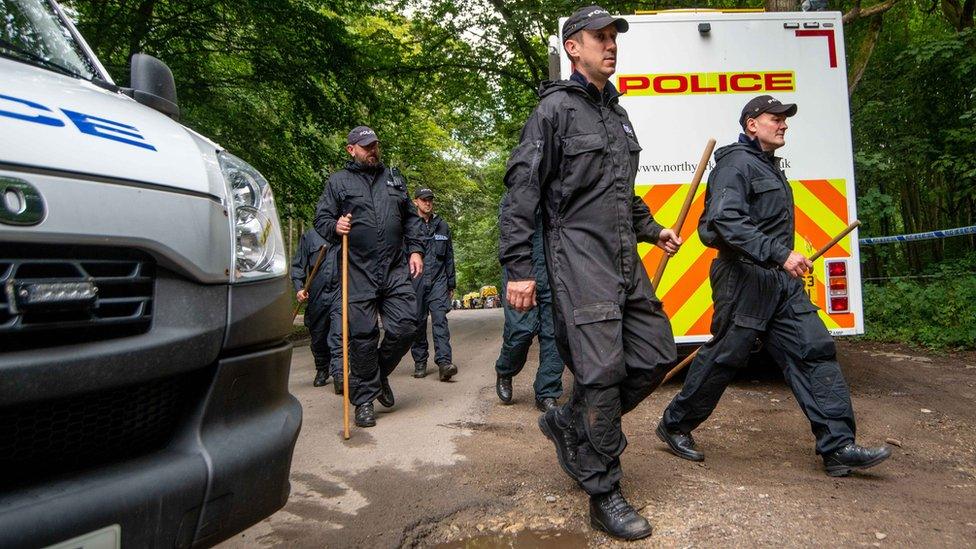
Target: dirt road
(450, 465)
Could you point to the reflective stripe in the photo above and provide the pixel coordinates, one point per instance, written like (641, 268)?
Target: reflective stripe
(821, 212)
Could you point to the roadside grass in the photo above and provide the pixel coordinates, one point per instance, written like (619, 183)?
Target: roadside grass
(938, 313)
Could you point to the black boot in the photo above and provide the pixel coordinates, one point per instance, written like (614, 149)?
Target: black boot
(337, 384)
(545, 404)
(503, 388)
(447, 371)
(386, 393)
(321, 378)
(420, 370)
(564, 438)
(841, 462)
(680, 444)
(612, 514)
(365, 416)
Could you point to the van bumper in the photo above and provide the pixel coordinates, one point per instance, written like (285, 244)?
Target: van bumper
(201, 488)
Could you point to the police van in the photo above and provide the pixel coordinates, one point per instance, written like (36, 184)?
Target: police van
(143, 309)
(685, 76)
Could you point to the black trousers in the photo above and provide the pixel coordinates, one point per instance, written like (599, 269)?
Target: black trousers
(369, 358)
(618, 353)
(433, 300)
(325, 333)
(752, 302)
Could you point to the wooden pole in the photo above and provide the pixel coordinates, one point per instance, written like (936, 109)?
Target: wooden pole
(681, 365)
(345, 336)
(311, 276)
(709, 147)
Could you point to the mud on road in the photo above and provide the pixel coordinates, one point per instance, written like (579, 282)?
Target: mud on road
(761, 483)
(449, 465)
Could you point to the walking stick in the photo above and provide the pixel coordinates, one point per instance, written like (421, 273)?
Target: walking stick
(345, 336)
(681, 365)
(709, 147)
(311, 276)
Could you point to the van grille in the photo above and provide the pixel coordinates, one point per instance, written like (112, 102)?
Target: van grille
(45, 439)
(124, 281)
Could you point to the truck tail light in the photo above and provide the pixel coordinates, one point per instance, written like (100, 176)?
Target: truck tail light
(838, 301)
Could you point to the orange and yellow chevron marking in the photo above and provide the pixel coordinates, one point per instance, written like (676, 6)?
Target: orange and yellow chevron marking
(821, 212)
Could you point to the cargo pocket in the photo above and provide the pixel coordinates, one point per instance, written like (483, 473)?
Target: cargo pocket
(816, 343)
(582, 163)
(597, 343)
(768, 198)
(733, 348)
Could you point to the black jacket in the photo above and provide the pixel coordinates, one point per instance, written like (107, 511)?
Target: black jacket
(577, 157)
(748, 205)
(438, 252)
(384, 224)
(306, 254)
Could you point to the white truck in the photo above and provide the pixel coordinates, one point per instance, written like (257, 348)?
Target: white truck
(685, 76)
(144, 309)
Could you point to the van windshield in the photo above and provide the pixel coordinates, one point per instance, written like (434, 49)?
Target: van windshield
(32, 32)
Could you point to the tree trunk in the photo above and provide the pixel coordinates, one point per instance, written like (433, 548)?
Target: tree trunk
(782, 5)
(864, 55)
(141, 26)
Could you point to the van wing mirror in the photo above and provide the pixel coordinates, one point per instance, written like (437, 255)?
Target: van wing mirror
(152, 84)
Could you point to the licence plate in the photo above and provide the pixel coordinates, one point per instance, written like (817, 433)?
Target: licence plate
(109, 537)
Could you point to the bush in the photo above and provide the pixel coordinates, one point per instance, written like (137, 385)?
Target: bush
(937, 312)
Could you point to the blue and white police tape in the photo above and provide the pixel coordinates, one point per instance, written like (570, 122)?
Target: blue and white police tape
(931, 235)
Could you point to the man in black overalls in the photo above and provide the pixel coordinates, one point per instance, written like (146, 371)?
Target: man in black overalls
(577, 158)
(435, 289)
(369, 202)
(758, 295)
(325, 336)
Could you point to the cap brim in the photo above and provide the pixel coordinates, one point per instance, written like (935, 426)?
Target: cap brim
(368, 141)
(607, 20)
(789, 109)
(425, 195)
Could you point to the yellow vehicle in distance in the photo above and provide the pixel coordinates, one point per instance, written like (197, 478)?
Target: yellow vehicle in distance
(471, 300)
(490, 298)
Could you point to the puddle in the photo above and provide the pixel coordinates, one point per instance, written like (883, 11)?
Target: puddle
(546, 539)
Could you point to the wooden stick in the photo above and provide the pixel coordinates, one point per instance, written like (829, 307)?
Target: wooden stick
(311, 276)
(345, 336)
(681, 365)
(699, 172)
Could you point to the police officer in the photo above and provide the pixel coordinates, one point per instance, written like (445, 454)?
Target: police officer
(369, 202)
(758, 295)
(520, 328)
(435, 289)
(317, 314)
(577, 159)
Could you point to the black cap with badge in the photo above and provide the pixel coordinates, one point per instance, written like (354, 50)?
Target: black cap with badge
(423, 192)
(362, 135)
(765, 103)
(592, 17)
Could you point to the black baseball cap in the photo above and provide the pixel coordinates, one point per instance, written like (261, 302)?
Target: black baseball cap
(423, 192)
(592, 17)
(765, 103)
(361, 135)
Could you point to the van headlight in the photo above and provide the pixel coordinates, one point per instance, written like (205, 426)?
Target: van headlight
(260, 248)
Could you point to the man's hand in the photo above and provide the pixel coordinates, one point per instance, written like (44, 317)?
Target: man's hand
(344, 224)
(450, 294)
(521, 294)
(416, 264)
(796, 264)
(669, 242)
(302, 296)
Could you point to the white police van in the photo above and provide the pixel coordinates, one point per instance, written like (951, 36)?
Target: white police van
(143, 309)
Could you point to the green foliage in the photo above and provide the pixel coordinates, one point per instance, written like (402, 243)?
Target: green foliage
(937, 312)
